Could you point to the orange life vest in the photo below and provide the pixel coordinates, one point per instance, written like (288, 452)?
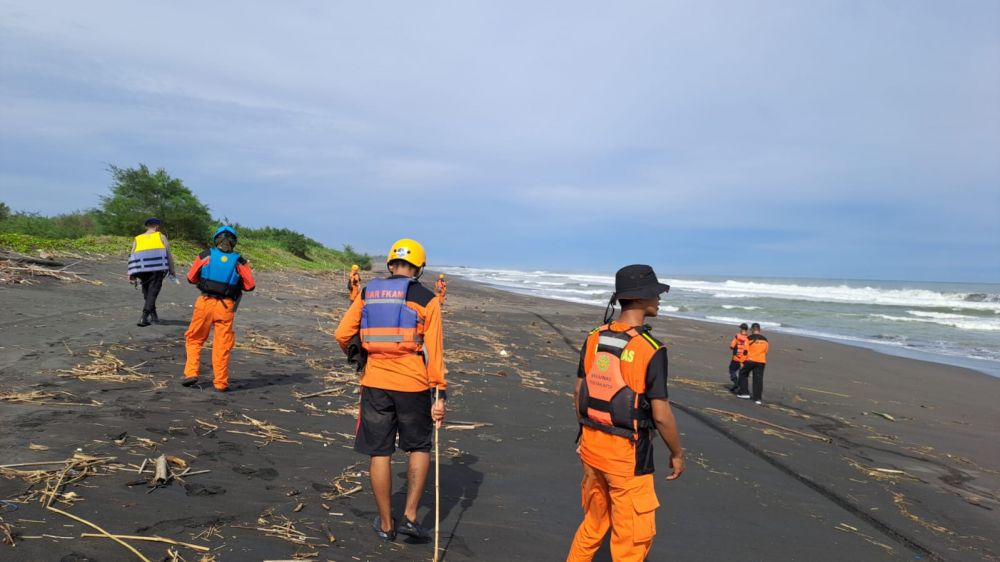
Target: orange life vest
(390, 328)
(606, 403)
(739, 346)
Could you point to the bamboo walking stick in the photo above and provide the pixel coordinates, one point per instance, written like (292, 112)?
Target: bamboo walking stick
(437, 484)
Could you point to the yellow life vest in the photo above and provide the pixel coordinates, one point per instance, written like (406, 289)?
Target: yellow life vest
(150, 254)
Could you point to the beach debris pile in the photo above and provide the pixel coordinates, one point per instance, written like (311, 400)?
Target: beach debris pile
(256, 342)
(105, 367)
(281, 527)
(265, 432)
(44, 397)
(346, 483)
(22, 269)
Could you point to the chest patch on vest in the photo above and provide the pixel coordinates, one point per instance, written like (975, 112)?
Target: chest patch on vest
(603, 362)
(225, 259)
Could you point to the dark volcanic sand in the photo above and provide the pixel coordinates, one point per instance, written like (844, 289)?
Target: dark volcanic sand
(509, 491)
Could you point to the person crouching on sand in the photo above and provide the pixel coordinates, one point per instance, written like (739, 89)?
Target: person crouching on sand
(621, 396)
(399, 324)
(737, 346)
(222, 275)
(756, 360)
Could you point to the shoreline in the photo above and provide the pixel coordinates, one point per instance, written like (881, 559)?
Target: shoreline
(982, 366)
(867, 456)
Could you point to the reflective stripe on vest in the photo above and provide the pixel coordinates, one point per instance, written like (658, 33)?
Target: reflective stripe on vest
(149, 255)
(607, 403)
(388, 326)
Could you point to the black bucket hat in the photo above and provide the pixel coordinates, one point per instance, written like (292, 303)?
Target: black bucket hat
(638, 282)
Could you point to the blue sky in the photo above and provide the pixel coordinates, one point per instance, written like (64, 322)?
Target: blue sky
(812, 139)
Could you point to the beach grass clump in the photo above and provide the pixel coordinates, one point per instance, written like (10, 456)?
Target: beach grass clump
(263, 253)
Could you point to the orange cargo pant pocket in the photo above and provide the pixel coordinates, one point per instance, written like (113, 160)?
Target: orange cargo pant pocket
(644, 519)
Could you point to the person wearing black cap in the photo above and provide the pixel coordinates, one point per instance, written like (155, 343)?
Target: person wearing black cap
(621, 398)
(149, 262)
(738, 346)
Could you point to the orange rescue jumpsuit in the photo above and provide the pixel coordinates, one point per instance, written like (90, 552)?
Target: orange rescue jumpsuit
(617, 490)
(212, 312)
(355, 283)
(441, 288)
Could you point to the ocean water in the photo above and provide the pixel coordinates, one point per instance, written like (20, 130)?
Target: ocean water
(952, 323)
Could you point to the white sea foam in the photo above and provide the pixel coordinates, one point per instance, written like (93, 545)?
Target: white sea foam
(731, 320)
(958, 320)
(962, 322)
(920, 298)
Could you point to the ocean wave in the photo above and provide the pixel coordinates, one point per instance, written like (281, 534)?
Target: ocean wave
(922, 298)
(731, 320)
(962, 323)
(735, 306)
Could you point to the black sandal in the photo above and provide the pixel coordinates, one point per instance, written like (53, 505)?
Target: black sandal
(377, 527)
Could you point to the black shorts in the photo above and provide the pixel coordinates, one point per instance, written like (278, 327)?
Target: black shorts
(384, 413)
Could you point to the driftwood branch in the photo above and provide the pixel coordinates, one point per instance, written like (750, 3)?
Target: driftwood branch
(769, 424)
(197, 547)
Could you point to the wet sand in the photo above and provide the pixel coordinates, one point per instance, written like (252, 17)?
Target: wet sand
(854, 455)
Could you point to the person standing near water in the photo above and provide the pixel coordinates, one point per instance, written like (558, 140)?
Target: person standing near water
(621, 397)
(354, 283)
(149, 262)
(737, 346)
(441, 287)
(402, 385)
(756, 360)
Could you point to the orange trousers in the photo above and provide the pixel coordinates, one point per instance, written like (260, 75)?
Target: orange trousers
(211, 313)
(626, 504)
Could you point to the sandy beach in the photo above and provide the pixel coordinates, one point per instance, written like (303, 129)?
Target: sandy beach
(854, 455)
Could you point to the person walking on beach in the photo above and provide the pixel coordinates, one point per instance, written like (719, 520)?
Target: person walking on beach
(441, 287)
(354, 283)
(756, 360)
(737, 346)
(621, 397)
(403, 382)
(149, 261)
(222, 275)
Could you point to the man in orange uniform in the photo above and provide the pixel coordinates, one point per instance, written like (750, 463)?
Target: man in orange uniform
(440, 287)
(222, 275)
(621, 396)
(399, 324)
(756, 360)
(354, 283)
(737, 346)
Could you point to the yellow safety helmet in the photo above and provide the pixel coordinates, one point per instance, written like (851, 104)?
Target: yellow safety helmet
(409, 251)
(441, 276)
(354, 267)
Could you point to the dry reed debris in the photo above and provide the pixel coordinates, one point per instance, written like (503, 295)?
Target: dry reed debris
(255, 342)
(44, 397)
(265, 431)
(105, 368)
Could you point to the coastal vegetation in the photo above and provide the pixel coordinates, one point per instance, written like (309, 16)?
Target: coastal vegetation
(138, 193)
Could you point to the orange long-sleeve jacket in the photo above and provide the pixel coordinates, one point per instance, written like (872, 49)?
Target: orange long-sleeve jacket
(756, 348)
(407, 373)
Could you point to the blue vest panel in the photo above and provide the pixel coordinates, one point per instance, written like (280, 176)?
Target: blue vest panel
(385, 305)
(219, 276)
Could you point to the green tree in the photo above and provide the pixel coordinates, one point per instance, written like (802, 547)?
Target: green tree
(137, 194)
(4, 211)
